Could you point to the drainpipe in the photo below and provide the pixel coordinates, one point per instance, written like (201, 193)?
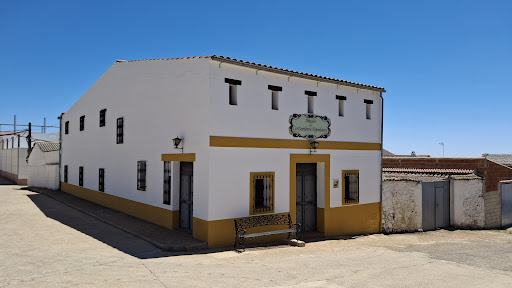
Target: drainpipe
(381, 152)
(60, 148)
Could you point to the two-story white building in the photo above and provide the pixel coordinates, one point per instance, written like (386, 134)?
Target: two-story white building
(239, 157)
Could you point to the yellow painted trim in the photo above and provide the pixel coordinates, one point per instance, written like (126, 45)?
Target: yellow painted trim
(156, 215)
(188, 157)
(322, 220)
(251, 192)
(343, 173)
(240, 142)
(354, 220)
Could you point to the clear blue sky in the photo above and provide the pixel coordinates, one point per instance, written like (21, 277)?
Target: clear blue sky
(447, 65)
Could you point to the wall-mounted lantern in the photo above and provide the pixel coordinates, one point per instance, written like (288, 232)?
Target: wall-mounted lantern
(314, 145)
(177, 141)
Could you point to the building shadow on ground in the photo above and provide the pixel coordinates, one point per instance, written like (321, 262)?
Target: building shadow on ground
(103, 232)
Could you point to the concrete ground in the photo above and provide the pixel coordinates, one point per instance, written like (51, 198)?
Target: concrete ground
(44, 243)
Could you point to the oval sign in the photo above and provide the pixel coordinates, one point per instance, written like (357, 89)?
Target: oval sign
(310, 126)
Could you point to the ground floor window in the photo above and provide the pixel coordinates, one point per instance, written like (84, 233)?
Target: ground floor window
(350, 186)
(167, 182)
(101, 180)
(81, 176)
(141, 175)
(66, 173)
(262, 192)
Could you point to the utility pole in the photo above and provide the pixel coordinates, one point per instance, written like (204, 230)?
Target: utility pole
(442, 144)
(29, 137)
(44, 125)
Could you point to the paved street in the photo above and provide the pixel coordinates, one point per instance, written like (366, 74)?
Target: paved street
(45, 243)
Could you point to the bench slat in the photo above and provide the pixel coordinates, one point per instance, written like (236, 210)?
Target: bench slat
(268, 233)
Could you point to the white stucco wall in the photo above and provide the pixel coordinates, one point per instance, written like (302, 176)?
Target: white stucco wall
(43, 169)
(467, 209)
(401, 206)
(11, 158)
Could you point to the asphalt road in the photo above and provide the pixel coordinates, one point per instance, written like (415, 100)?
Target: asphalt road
(44, 243)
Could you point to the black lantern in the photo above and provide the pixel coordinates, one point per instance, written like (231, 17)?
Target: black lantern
(313, 145)
(177, 142)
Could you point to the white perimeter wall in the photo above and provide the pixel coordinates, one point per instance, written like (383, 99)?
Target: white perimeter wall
(43, 169)
(11, 158)
(401, 206)
(159, 100)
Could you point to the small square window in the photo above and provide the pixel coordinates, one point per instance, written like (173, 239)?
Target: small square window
(350, 186)
(82, 123)
(66, 127)
(103, 114)
(262, 192)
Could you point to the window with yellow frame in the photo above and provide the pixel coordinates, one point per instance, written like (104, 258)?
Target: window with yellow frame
(262, 192)
(350, 186)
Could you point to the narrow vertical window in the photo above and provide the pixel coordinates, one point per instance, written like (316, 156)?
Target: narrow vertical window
(101, 180)
(341, 105)
(233, 95)
(368, 108)
(141, 175)
(66, 173)
(167, 182)
(311, 101)
(262, 192)
(81, 176)
(350, 186)
(82, 123)
(103, 114)
(119, 131)
(66, 127)
(275, 96)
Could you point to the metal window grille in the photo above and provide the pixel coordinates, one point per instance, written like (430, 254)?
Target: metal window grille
(66, 173)
(81, 176)
(351, 180)
(167, 182)
(103, 114)
(141, 175)
(101, 180)
(66, 127)
(82, 123)
(120, 131)
(263, 193)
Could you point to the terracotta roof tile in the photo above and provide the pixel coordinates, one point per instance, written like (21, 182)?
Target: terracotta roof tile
(428, 170)
(48, 146)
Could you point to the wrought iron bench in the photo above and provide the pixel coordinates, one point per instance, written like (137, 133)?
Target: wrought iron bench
(242, 224)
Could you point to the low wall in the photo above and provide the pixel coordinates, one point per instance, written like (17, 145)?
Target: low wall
(467, 209)
(492, 209)
(13, 165)
(401, 206)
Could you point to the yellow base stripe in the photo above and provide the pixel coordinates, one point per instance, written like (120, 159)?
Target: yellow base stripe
(189, 157)
(159, 216)
(240, 142)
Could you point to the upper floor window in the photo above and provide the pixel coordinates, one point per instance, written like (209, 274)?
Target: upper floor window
(275, 96)
(141, 175)
(341, 105)
(66, 127)
(82, 123)
(368, 108)
(311, 101)
(103, 114)
(120, 131)
(233, 86)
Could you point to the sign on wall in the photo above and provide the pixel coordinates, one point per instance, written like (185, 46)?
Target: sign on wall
(310, 126)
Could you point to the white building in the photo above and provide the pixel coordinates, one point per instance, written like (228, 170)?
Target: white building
(43, 165)
(238, 159)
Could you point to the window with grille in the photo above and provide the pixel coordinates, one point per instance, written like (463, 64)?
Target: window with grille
(103, 114)
(262, 192)
(66, 127)
(82, 123)
(167, 182)
(141, 175)
(81, 176)
(120, 131)
(101, 180)
(66, 173)
(350, 186)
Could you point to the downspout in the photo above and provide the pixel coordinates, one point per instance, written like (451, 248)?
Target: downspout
(60, 148)
(381, 153)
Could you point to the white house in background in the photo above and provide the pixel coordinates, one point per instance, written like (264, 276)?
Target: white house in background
(43, 165)
(239, 158)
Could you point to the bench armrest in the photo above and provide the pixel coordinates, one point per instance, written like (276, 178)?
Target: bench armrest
(296, 227)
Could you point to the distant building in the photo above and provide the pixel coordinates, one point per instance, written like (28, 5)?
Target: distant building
(504, 159)
(237, 157)
(43, 165)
